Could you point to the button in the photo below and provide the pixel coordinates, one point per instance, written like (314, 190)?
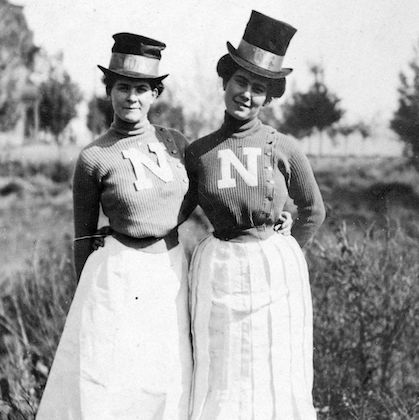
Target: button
(271, 181)
(269, 168)
(270, 198)
(268, 153)
(169, 139)
(179, 165)
(174, 151)
(185, 180)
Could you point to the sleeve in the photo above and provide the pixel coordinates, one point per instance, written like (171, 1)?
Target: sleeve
(305, 192)
(181, 142)
(190, 201)
(86, 203)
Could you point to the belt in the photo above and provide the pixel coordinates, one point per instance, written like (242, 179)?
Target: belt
(255, 233)
(149, 244)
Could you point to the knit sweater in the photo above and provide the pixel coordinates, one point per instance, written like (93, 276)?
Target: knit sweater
(137, 175)
(242, 174)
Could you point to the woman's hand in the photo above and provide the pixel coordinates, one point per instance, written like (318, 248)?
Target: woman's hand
(284, 223)
(99, 237)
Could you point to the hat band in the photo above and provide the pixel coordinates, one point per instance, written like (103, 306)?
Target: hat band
(260, 57)
(134, 63)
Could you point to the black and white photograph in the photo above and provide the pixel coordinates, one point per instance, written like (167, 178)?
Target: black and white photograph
(209, 210)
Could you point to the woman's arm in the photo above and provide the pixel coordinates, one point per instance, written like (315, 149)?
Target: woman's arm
(86, 202)
(303, 189)
(191, 198)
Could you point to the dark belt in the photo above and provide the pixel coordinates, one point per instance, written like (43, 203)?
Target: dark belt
(255, 233)
(149, 244)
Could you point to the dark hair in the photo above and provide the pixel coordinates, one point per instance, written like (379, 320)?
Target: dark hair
(110, 79)
(226, 67)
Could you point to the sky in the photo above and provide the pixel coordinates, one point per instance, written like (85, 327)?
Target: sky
(362, 44)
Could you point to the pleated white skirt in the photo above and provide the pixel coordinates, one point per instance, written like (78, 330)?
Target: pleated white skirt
(125, 350)
(251, 316)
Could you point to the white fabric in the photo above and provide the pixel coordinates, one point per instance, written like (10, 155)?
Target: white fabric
(251, 316)
(125, 350)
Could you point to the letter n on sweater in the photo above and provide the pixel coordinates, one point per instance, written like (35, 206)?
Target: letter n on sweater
(249, 174)
(139, 160)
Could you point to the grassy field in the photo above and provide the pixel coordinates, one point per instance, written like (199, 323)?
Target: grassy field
(364, 266)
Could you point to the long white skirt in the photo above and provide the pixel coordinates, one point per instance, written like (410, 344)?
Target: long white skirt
(251, 316)
(125, 350)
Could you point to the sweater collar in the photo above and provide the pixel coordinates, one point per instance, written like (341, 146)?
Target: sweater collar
(130, 129)
(233, 127)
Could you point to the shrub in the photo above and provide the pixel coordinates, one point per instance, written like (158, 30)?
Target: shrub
(58, 171)
(52, 162)
(366, 311)
(33, 307)
(366, 306)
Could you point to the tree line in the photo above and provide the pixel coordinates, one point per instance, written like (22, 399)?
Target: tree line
(28, 75)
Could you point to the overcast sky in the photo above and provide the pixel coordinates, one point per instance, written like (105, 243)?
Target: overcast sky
(363, 44)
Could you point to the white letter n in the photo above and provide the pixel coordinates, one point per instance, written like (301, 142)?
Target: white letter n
(249, 175)
(140, 160)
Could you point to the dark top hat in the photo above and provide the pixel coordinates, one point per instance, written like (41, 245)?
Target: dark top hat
(135, 56)
(263, 46)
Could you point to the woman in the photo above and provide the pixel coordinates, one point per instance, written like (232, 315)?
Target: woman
(125, 350)
(249, 290)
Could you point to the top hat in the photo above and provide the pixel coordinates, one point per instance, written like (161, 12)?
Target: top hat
(135, 56)
(263, 46)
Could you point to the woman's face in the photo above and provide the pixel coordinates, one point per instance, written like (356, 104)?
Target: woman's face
(245, 94)
(131, 99)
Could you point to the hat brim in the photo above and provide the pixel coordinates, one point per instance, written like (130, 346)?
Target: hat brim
(260, 71)
(276, 86)
(131, 75)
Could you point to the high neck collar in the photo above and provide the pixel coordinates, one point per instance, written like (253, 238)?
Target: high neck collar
(130, 129)
(233, 127)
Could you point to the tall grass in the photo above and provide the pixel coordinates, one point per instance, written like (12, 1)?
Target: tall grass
(364, 271)
(53, 162)
(366, 307)
(33, 307)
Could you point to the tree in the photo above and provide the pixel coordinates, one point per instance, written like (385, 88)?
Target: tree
(100, 114)
(59, 98)
(167, 115)
(347, 129)
(314, 110)
(199, 95)
(405, 120)
(17, 51)
(344, 131)
(268, 117)
(163, 112)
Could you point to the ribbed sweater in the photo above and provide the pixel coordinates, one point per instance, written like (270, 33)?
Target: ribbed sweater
(137, 175)
(242, 174)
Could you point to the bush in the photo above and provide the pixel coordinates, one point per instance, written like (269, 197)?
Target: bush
(366, 312)
(58, 171)
(52, 162)
(33, 307)
(366, 306)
